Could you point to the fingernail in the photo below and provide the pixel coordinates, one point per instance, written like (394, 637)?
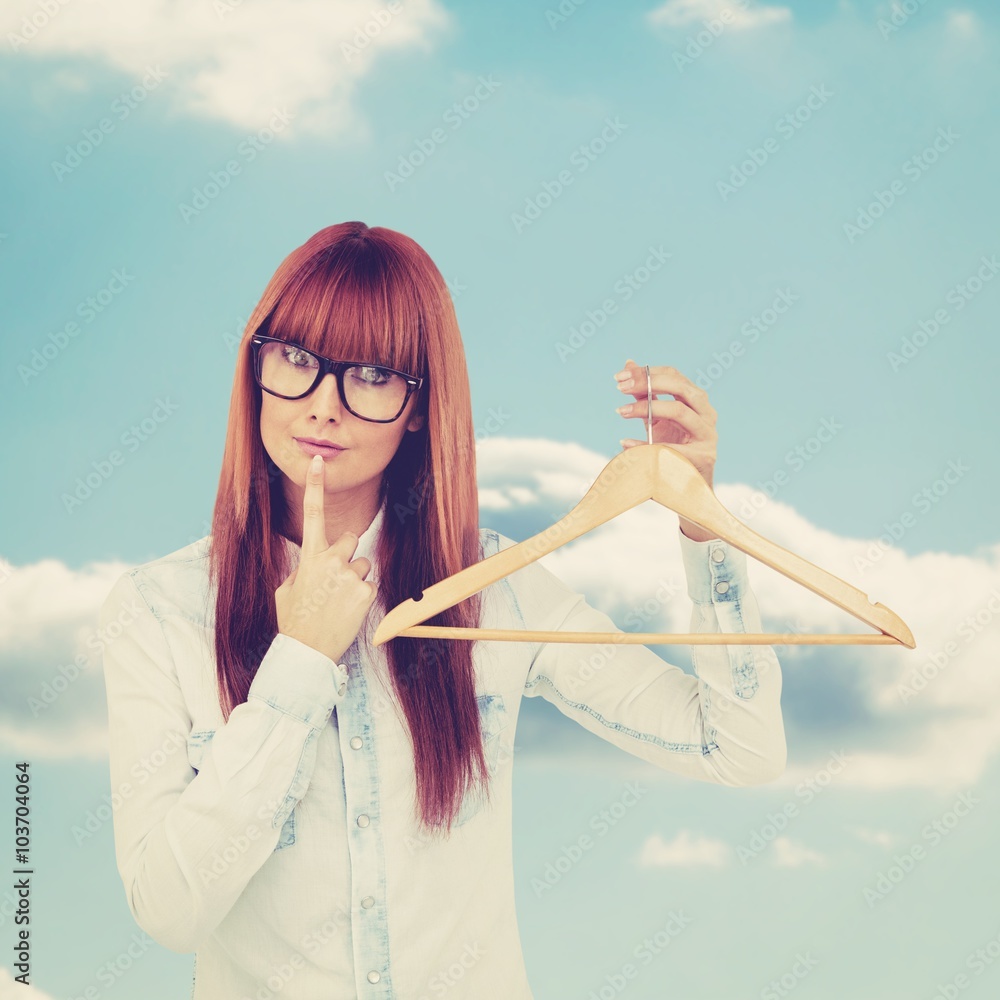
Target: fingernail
(317, 463)
(623, 409)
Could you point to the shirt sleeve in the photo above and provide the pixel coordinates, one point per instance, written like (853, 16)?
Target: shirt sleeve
(188, 842)
(723, 724)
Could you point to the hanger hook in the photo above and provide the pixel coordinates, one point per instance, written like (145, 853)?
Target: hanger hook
(649, 407)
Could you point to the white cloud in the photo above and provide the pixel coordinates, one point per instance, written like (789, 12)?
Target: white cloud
(233, 60)
(54, 703)
(684, 851)
(789, 854)
(524, 471)
(682, 13)
(490, 499)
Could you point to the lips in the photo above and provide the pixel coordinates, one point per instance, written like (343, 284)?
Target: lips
(320, 442)
(316, 446)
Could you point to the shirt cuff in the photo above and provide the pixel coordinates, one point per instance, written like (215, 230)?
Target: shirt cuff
(716, 570)
(300, 681)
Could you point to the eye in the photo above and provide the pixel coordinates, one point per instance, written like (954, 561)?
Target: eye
(297, 357)
(371, 375)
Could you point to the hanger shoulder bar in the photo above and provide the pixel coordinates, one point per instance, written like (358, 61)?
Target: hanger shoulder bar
(652, 471)
(652, 638)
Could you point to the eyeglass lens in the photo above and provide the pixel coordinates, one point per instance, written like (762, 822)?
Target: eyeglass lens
(373, 393)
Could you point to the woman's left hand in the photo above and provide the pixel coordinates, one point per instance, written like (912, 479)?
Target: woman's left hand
(686, 422)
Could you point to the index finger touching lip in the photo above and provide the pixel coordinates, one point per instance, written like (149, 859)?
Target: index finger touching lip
(313, 508)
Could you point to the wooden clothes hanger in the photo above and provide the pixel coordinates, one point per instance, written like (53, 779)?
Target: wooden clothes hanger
(640, 473)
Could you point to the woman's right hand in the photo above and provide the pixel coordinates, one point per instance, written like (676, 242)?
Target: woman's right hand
(325, 598)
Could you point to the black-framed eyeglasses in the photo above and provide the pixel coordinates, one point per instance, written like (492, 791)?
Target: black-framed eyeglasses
(371, 392)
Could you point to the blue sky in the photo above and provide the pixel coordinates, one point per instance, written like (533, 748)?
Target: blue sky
(793, 204)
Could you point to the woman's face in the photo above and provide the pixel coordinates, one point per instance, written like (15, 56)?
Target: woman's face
(368, 446)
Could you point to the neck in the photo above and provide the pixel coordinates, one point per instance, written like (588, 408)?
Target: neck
(348, 510)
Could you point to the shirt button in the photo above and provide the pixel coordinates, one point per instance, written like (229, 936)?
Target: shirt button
(342, 690)
(721, 587)
(373, 976)
(368, 902)
(718, 555)
(363, 820)
(356, 742)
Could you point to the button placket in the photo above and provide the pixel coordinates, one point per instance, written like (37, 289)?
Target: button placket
(365, 842)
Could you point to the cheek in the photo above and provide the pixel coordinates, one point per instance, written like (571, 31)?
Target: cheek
(274, 431)
(267, 422)
(378, 445)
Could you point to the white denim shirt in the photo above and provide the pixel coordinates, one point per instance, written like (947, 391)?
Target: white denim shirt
(282, 846)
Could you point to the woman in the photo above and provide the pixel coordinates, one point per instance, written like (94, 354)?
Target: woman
(317, 817)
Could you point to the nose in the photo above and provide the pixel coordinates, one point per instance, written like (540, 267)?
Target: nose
(324, 400)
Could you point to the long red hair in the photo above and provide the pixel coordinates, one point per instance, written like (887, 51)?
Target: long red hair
(351, 291)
